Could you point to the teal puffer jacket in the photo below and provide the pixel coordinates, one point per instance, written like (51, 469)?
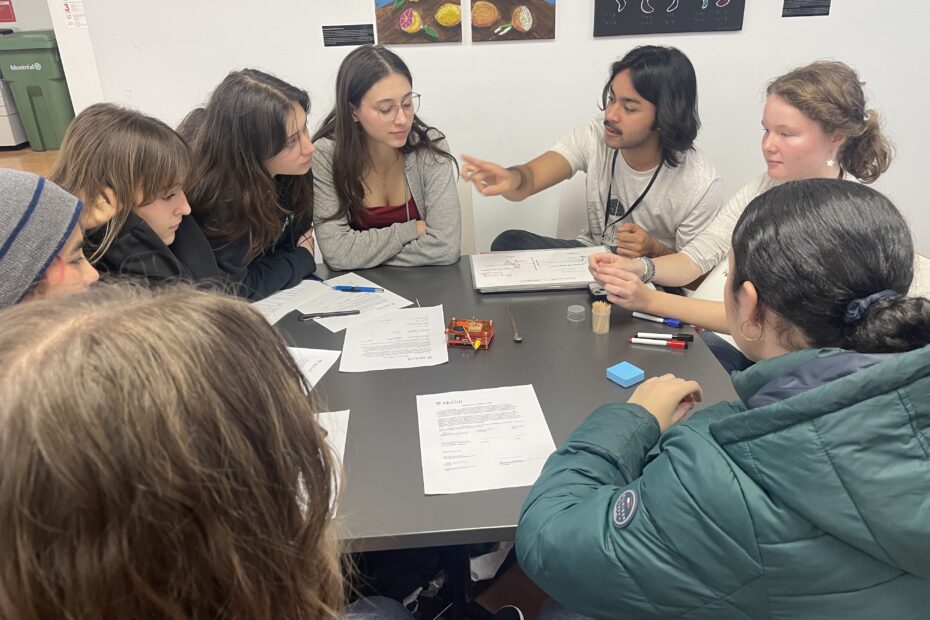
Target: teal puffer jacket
(807, 498)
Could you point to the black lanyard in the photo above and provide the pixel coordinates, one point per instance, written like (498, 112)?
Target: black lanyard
(607, 206)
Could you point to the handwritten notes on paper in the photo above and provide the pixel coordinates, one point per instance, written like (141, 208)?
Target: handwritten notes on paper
(532, 270)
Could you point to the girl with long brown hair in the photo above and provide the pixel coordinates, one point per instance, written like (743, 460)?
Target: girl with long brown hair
(251, 188)
(384, 180)
(139, 481)
(133, 170)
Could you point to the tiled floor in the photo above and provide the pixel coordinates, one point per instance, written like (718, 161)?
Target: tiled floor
(28, 160)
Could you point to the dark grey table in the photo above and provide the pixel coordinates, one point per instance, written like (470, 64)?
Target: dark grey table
(383, 505)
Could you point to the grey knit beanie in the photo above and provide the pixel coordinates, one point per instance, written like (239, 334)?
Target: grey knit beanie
(36, 219)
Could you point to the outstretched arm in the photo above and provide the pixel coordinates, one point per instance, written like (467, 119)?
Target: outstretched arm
(517, 182)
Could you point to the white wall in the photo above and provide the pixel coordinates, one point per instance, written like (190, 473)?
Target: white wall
(77, 58)
(510, 101)
(30, 15)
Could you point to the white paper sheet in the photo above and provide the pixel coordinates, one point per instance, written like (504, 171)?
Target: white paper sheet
(405, 338)
(533, 269)
(275, 307)
(482, 439)
(336, 425)
(314, 362)
(371, 305)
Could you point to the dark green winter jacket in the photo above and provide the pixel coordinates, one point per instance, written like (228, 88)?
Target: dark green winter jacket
(807, 498)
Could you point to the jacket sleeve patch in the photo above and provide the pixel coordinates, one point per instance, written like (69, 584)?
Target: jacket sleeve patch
(625, 508)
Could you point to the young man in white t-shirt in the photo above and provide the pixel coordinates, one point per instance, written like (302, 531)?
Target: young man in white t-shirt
(649, 191)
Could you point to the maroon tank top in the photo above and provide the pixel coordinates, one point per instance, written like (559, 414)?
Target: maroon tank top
(382, 217)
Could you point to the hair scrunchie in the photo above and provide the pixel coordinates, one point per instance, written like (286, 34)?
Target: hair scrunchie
(857, 308)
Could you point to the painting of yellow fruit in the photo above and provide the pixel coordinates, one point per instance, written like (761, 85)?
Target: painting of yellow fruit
(449, 15)
(415, 22)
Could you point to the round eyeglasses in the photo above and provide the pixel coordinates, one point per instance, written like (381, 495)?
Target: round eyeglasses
(388, 110)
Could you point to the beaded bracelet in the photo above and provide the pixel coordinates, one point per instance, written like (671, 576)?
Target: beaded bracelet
(649, 270)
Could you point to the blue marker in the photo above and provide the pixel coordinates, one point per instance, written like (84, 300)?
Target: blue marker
(657, 319)
(358, 289)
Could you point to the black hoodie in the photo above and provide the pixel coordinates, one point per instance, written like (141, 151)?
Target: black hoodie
(138, 251)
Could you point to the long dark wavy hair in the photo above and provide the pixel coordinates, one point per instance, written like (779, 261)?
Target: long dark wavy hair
(360, 70)
(243, 124)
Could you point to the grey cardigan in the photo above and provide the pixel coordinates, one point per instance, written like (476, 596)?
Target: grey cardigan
(432, 183)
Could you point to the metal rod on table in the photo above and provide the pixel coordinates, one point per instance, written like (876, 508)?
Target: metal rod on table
(513, 324)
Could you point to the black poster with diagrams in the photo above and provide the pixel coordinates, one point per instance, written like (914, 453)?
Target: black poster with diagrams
(616, 17)
(805, 8)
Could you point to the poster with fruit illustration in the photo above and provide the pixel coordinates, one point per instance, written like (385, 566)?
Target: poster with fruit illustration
(418, 21)
(614, 17)
(512, 20)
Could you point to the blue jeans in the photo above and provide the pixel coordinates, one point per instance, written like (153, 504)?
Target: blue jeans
(376, 608)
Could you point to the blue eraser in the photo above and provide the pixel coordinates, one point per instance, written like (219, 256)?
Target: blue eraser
(626, 374)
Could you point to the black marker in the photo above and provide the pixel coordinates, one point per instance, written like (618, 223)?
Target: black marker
(325, 315)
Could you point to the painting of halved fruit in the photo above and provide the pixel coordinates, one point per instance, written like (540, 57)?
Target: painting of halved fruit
(418, 21)
(510, 20)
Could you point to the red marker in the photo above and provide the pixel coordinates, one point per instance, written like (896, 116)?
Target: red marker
(671, 344)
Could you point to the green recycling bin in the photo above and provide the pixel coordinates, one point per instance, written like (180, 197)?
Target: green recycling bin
(30, 62)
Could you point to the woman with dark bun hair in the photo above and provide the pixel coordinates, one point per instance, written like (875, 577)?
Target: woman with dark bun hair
(806, 497)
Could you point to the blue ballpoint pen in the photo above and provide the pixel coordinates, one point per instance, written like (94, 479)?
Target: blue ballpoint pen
(357, 289)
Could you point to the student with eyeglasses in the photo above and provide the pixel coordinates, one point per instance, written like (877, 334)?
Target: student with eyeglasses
(384, 181)
(251, 189)
(649, 192)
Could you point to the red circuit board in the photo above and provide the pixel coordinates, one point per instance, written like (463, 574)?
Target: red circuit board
(471, 333)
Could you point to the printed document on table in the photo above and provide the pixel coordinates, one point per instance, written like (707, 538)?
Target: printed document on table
(314, 362)
(371, 305)
(482, 439)
(275, 307)
(336, 425)
(405, 338)
(533, 270)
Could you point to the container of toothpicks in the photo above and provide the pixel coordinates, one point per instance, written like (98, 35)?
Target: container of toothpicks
(600, 317)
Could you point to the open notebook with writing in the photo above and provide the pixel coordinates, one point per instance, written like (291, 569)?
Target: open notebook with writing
(532, 270)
